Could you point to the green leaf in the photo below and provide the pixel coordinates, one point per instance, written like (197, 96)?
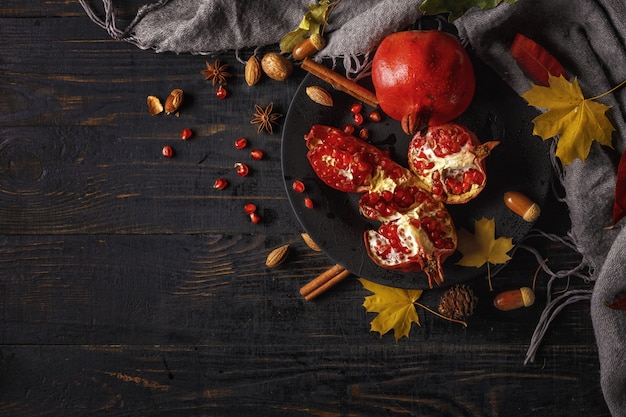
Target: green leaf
(457, 8)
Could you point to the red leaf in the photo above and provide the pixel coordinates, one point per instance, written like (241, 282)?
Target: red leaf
(619, 202)
(535, 60)
(619, 303)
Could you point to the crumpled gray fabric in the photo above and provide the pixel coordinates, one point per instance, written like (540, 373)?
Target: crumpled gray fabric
(210, 26)
(587, 36)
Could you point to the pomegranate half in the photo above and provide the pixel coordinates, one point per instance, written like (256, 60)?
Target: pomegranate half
(450, 160)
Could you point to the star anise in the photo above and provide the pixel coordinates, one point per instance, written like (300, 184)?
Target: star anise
(216, 72)
(265, 118)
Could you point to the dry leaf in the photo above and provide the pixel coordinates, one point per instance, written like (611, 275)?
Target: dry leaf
(619, 303)
(535, 60)
(482, 247)
(395, 308)
(576, 120)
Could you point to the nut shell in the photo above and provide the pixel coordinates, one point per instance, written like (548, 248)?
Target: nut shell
(276, 66)
(154, 105)
(252, 72)
(277, 256)
(174, 101)
(310, 242)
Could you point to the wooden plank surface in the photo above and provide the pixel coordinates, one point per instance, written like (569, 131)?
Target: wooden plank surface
(129, 286)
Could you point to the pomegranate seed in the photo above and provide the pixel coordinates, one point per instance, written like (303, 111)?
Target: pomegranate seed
(358, 119)
(374, 116)
(298, 186)
(221, 92)
(220, 184)
(167, 151)
(241, 143)
(242, 169)
(348, 129)
(256, 154)
(185, 133)
(364, 133)
(249, 208)
(254, 218)
(308, 203)
(356, 108)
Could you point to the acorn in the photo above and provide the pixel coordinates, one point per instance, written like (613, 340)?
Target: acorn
(309, 46)
(514, 299)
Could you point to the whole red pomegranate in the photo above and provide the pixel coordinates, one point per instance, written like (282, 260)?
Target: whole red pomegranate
(416, 231)
(422, 78)
(450, 160)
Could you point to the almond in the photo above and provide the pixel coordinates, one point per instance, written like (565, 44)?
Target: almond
(277, 256)
(319, 95)
(173, 101)
(310, 243)
(252, 73)
(154, 105)
(276, 66)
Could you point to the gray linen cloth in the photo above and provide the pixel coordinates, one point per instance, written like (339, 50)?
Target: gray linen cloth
(587, 36)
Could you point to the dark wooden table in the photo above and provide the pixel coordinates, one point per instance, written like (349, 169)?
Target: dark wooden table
(130, 287)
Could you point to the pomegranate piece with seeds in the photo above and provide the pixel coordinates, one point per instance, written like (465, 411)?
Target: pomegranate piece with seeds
(416, 232)
(450, 160)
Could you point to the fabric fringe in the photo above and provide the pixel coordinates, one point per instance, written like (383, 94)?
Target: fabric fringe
(109, 22)
(583, 271)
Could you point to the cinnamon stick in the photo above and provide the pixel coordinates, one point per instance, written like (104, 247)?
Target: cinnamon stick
(323, 282)
(340, 82)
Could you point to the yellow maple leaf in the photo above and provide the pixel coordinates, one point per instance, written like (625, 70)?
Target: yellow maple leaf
(395, 307)
(482, 248)
(577, 121)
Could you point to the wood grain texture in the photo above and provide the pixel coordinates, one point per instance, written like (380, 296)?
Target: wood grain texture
(128, 286)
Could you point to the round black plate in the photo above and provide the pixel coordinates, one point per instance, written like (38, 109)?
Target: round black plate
(521, 162)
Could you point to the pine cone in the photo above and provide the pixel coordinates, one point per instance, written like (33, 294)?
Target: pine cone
(458, 302)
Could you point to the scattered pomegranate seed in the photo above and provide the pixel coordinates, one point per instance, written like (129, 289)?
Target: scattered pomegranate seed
(221, 92)
(308, 203)
(374, 116)
(220, 184)
(356, 108)
(242, 169)
(256, 154)
(298, 186)
(167, 151)
(358, 119)
(348, 129)
(364, 133)
(249, 208)
(241, 143)
(254, 218)
(185, 133)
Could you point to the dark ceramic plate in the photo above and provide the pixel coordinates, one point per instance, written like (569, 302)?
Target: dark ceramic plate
(521, 162)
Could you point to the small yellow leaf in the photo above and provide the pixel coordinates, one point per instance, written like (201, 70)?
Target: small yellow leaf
(395, 308)
(482, 247)
(576, 120)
